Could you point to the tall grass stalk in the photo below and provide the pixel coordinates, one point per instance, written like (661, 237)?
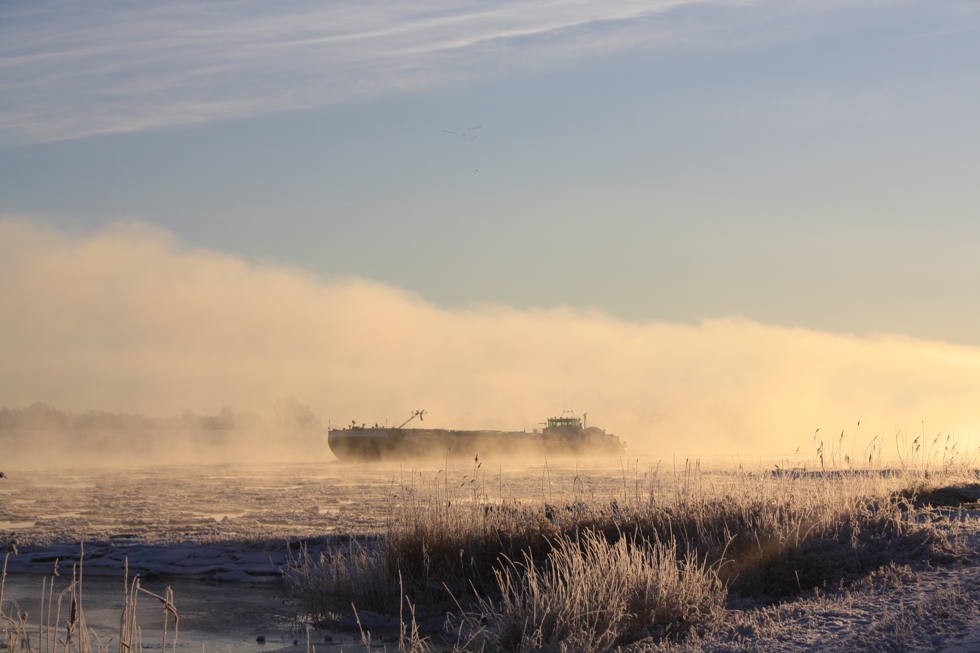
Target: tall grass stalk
(73, 635)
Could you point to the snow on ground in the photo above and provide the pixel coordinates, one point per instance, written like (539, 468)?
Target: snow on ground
(909, 611)
(897, 609)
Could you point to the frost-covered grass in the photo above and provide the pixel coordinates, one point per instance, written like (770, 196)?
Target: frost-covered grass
(592, 594)
(661, 558)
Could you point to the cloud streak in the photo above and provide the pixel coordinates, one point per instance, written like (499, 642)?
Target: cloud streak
(130, 319)
(71, 70)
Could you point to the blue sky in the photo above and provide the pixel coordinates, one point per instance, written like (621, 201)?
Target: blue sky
(810, 164)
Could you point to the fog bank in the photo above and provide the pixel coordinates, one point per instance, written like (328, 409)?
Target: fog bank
(130, 319)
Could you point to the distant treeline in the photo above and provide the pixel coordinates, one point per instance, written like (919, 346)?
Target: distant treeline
(286, 413)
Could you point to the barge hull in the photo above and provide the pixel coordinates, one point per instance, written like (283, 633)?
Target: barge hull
(367, 444)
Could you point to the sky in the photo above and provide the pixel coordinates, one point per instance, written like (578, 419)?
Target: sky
(731, 181)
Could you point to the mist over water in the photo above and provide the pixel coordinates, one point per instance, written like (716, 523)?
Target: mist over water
(32, 450)
(131, 320)
(271, 501)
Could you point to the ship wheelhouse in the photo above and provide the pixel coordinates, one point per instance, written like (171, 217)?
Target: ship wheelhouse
(564, 427)
(564, 422)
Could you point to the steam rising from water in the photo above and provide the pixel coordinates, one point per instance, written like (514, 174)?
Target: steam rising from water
(129, 319)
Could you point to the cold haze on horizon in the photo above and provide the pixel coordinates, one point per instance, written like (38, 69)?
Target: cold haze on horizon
(130, 319)
(739, 220)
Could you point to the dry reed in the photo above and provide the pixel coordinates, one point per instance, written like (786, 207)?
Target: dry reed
(590, 595)
(51, 634)
(654, 558)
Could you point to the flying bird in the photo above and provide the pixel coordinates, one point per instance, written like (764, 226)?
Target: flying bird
(2, 475)
(469, 129)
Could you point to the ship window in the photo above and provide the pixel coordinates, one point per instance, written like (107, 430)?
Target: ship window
(572, 422)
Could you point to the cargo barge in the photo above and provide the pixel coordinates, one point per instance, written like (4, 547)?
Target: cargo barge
(564, 436)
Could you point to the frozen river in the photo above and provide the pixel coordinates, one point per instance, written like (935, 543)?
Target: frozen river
(217, 534)
(208, 503)
(193, 502)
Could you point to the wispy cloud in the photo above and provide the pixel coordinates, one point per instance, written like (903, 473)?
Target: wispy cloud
(130, 319)
(72, 69)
